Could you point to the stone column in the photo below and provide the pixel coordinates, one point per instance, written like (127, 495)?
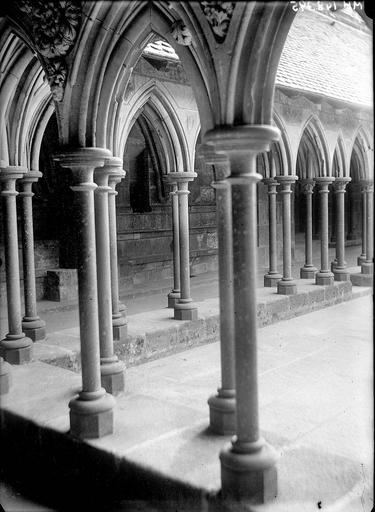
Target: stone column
(287, 285)
(185, 309)
(15, 348)
(32, 325)
(222, 405)
(308, 271)
(119, 321)
(324, 277)
(340, 271)
(112, 370)
(174, 295)
(362, 257)
(91, 412)
(367, 266)
(5, 377)
(272, 277)
(248, 462)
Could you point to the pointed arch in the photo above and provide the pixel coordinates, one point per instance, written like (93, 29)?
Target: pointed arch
(284, 146)
(362, 147)
(315, 141)
(339, 164)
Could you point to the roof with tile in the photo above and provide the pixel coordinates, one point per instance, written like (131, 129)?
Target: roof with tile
(328, 57)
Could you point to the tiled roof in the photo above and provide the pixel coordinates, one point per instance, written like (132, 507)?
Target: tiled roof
(323, 56)
(162, 49)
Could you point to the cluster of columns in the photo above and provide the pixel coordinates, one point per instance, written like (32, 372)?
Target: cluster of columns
(95, 176)
(328, 273)
(16, 347)
(180, 296)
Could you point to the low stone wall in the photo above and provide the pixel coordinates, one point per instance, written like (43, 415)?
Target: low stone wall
(156, 334)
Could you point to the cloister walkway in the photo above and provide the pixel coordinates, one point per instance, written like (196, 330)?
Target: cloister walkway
(315, 406)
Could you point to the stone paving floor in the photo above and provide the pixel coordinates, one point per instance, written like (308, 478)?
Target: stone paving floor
(316, 408)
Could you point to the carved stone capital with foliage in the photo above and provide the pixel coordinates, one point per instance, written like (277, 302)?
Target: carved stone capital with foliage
(218, 15)
(53, 26)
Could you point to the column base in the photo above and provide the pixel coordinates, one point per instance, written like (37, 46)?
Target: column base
(341, 274)
(173, 298)
(5, 377)
(223, 412)
(308, 272)
(113, 376)
(287, 287)
(122, 308)
(271, 280)
(333, 265)
(119, 327)
(93, 417)
(34, 328)
(324, 278)
(367, 267)
(16, 349)
(361, 259)
(185, 311)
(249, 476)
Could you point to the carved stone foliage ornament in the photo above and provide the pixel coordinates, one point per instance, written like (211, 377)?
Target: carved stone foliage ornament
(54, 26)
(218, 15)
(181, 33)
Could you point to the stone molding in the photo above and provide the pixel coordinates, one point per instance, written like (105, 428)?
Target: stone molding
(218, 15)
(53, 25)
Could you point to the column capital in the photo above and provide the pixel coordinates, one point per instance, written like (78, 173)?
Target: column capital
(220, 162)
(246, 139)
(323, 182)
(27, 181)
(340, 183)
(8, 177)
(110, 168)
(181, 177)
(307, 185)
(286, 182)
(367, 186)
(83, 161)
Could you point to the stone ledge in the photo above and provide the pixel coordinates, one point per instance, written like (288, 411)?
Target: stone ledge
(156, 334)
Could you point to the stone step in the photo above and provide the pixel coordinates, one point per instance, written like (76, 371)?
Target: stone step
(359, 279)
(155, 334)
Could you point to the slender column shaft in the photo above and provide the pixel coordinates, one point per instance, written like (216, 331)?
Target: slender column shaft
(368, 265)
(176, 241)
(308, 270)
(324, 276)
(247, 464)
(287, 285)
(16, 347)
(223, 405)
(175, 295)
(119, 321)
(339, 269)
(32, 325)
(184, 309)
(364, 228)
(272, 277)
(91, 413)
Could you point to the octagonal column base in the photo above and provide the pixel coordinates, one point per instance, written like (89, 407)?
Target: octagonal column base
(34, 328)
(173, 298)
(113, 376)
(92, 418)
(287, 287)
(361, 259)
(185, 311)
(324, 278)
(367, 267)
(5, 377)
(308, 272)
(223, 412)
(16, 349)
(341, 274)
(271, 280)
(249, 476)
(119, 327)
